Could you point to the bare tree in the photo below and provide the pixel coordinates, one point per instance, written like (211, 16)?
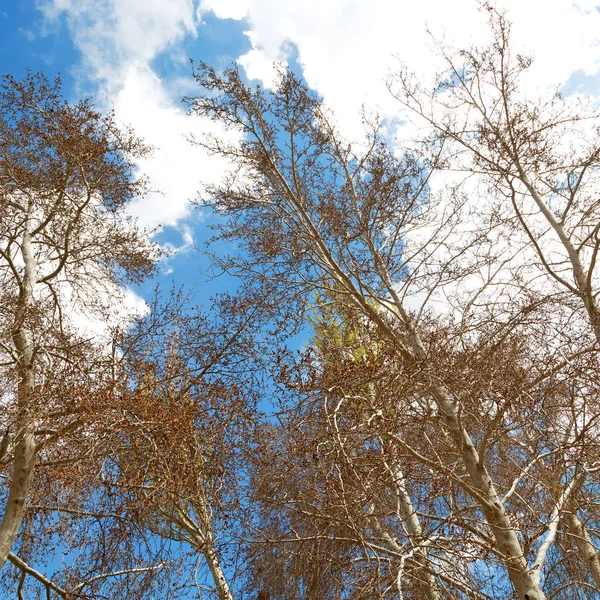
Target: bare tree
(328, 488)
(177, 450)
(341, 474)
(65, 246)
(184, 417)
(495, 394)
(540, 158)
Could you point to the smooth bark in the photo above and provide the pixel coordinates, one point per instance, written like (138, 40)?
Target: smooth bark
(581, 537)
(25, 447)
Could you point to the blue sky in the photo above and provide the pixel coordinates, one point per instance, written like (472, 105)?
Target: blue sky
(23, 45)
(133, 56)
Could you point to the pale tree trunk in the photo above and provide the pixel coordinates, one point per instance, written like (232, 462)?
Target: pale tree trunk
(581, 537)
(23, 466)
(25, 447)
(408, 340)
(218, 575)
(523, 580)
(581, 274)
(521, 577)
(415, 534)
(553, 523)
(481, 484)
(200, 537)
(208, 550)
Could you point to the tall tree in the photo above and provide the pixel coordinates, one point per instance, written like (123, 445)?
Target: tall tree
(153, 497)
(540, 158)
(188, 396)
(65, 247)
(328, 489)
(495, 393)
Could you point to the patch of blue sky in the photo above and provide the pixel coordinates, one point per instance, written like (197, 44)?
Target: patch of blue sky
(582, 84)
(27, 42)
(218, 42)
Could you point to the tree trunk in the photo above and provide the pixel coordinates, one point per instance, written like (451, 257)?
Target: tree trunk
(202, 539)
(415, 533)
(24, 459)
(25, 448)
(580, 536)
(508, 543)
(217, 573)
(524, 582)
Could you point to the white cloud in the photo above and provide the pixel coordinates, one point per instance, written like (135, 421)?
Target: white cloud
(118, 40)
(258, 66)
(121, 314)
(112, 33)
(346, 46)
(176, 168)
(224, 9)
(187, 243)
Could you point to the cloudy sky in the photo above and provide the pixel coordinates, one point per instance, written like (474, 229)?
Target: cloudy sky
(133, 56)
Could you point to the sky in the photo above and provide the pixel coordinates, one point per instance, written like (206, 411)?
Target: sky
(133, 56)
